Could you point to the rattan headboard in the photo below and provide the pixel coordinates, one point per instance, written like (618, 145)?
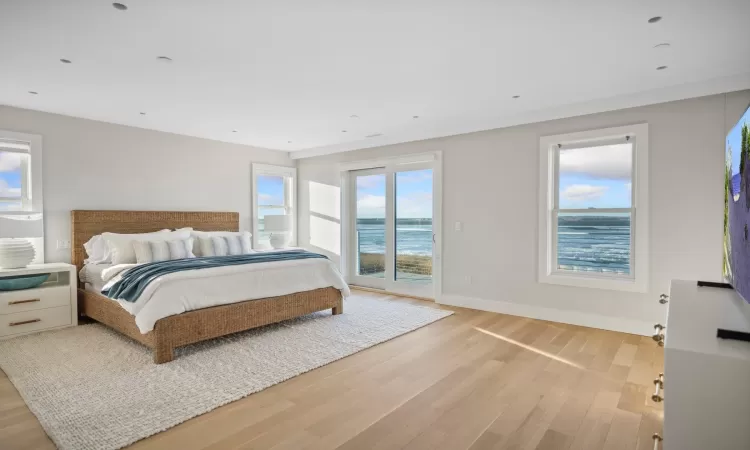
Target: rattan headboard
(85, 224)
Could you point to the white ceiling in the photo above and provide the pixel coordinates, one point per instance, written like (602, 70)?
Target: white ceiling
(296, 70)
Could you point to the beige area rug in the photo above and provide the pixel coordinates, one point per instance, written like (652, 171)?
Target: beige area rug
(92, 388)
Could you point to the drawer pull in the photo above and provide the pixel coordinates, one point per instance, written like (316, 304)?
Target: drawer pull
(657, 438)
(663, 299)
(19, 302)
(659, 334)
(24, 322)
(659, 385)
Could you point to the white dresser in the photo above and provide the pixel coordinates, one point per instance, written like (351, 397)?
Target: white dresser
(706, 379)
(52, 305)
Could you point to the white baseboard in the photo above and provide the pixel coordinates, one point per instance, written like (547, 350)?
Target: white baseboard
(571, 317)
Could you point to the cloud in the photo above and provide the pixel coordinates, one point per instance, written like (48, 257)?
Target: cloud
(577, 193)
(416, 205)
(270, 199)
(371, 182)
(7, 191)
(371, 206)
(609, 161)
(9, 162)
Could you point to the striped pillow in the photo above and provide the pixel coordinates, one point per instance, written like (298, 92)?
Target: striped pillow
(200, 244)
(221, 248)
(234, 245)
(224, 245)
(152, 251)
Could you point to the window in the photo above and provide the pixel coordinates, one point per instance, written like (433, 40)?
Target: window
(594, 209)
(20, 180)
(274, 195)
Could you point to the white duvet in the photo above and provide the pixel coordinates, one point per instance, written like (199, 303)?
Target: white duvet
(178, 292)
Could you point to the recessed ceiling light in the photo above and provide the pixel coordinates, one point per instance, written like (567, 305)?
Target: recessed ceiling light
(119, 6)
(654, 19)
(143, 113)
(288, 142)
(33, 92)
(354, 116)
(662, 45)
(343, 131)
(65, 61)
(415, 117)
(661, 67)
(234, 131)
(516, 96)
(164, 58)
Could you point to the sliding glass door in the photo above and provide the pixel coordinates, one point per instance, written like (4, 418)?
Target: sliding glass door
(370, 231)
(392, 245)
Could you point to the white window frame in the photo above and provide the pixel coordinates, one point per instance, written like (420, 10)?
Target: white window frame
(549, 151)
(290, 197)
(31, 169)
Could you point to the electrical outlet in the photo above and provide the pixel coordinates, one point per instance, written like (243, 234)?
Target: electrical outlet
(467, 279)
(63, 244)
(459, 226)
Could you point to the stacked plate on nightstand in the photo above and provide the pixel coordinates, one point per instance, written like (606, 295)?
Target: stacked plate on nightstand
(16, 253)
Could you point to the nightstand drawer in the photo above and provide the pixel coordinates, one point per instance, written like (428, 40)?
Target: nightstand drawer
(12, 302)
(28, 321)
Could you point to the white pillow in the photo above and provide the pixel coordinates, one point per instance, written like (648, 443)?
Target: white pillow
(121, 249)
(159, 250)
(204, 248)
(180, 249)
(220, 245)
(143, 252)
(151, 251)
(234, 244)
(98, 251)
(247, 246)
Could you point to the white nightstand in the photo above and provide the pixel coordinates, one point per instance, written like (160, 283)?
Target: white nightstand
(52, 305)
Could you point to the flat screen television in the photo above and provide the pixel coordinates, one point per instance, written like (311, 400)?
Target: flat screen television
(737, 207)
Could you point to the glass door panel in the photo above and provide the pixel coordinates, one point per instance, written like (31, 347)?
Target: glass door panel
(413, 226)
(370, 228)
(392, 245)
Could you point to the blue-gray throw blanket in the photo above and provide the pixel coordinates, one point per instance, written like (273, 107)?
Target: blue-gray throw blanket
(134, 281)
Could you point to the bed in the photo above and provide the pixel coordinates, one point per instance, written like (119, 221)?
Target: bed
(191, 326)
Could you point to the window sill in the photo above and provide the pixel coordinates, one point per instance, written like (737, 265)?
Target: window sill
(17, 212)
(595, 282)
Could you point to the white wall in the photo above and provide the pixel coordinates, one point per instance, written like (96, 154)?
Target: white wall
(97, 165)
(490, 183)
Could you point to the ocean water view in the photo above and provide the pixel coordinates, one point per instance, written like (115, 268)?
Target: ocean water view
(593, 243)
(585, 242)
(413, 236)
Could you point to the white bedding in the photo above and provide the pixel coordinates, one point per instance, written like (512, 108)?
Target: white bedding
(178, 292)
(91, 274)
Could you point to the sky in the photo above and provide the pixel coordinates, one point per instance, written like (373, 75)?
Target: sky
(10, 174)
(413, 195)
(596, 177)
(733, 140)
(270, 192)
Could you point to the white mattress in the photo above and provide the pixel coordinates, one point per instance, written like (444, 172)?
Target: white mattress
(91, 275)
(189, 290)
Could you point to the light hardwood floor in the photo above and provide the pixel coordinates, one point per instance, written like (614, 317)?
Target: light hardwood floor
(475, 380)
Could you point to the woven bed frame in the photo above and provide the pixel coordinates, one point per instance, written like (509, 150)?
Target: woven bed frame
(192, 326)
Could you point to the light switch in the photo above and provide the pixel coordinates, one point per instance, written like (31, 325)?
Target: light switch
(63, 244)
(459, 226)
